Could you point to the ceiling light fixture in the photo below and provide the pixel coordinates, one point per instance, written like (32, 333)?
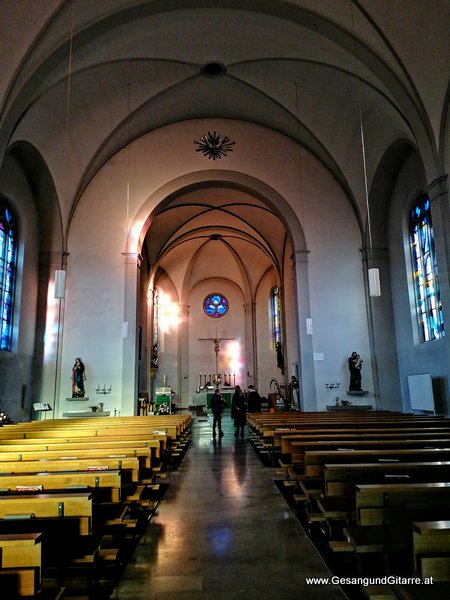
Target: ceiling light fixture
(214, 146)
(373, 272)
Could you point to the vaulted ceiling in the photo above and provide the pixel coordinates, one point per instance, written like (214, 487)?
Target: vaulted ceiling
(84, 78)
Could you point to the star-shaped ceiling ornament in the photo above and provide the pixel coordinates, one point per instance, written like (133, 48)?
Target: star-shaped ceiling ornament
(214, 146)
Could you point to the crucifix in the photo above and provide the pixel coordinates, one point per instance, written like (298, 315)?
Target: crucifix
(216, 342)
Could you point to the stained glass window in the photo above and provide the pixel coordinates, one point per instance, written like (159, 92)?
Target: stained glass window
(8, 254)
(155, 344)
(425, 272)
(275, 312)
(215, 305)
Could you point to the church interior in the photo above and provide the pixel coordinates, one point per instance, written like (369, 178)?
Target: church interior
(199, 195)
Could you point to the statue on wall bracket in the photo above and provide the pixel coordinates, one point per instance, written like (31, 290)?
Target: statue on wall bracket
(78, 379)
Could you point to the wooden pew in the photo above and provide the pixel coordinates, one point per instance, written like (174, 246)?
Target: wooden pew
(77, 504)
(57, 481)
(20, 554)
(143, 455)
(315, 460)
(362, 444)
(148, 450)
(288, 442)
(337, 502)
(43, 453)
(431, 549)
(384, 517)
(341, 479)
(130, 464)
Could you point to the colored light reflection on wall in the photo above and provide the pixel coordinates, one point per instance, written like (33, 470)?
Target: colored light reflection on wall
(51, 326)
(232, 358)
(169, 314)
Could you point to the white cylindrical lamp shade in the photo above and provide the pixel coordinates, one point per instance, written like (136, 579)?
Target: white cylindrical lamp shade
(309, 326)
(374, 283)
(60, 284)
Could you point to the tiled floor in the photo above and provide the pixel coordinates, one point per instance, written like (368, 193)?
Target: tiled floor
(223, 532)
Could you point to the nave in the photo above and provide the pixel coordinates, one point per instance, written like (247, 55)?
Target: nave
(223, 531)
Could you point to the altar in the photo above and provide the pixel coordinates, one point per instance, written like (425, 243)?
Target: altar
(203, 398)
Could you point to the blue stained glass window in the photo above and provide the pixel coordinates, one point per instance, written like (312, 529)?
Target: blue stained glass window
(425, 272)
(215, 305)
(275, 311)
(8, 255)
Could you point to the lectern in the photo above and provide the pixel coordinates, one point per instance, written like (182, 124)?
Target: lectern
(41, 408)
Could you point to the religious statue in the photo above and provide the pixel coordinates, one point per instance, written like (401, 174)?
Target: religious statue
(154, 359)
(355, 366)
(78, 378)
(280, 359)
(295, 392)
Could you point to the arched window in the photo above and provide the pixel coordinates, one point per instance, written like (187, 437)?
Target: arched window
(275, 314)
(155, 332)
(8, 256)
(425, 271)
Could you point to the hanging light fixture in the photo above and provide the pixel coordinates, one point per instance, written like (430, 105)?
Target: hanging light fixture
(59, 290)
(308, 320)
(373, 272)
(60, 284)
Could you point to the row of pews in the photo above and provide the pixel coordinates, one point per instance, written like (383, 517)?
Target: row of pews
(75, 495)
(373, 489)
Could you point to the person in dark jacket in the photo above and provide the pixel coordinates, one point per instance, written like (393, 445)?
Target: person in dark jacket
(239, 410)
(217, 406)
(253, 399)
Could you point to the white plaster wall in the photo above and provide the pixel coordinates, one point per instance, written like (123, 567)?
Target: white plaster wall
(337, 296)
(94, 305)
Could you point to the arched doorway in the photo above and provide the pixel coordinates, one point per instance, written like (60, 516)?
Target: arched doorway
(225, 244)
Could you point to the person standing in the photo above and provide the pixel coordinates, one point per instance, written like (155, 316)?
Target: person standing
(254, 400)
(217, 406)
(239, 410)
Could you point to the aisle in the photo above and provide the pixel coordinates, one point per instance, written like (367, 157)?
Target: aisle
(223, 532)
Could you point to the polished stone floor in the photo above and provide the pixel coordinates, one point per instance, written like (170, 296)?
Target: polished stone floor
(223, 532)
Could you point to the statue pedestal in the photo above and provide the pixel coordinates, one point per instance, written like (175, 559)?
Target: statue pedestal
(75, 414)
(350, 408)
(358, 393)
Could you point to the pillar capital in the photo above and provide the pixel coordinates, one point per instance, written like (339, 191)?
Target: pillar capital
(132, 258)
(58, 259)
(438, 188)
(299, 256)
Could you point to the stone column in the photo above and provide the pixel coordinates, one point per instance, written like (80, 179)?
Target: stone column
(250, 344)
(185, 386)
(308, 400)
(48, 348)
(380, 318)
(132, 263)
(440, 215)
